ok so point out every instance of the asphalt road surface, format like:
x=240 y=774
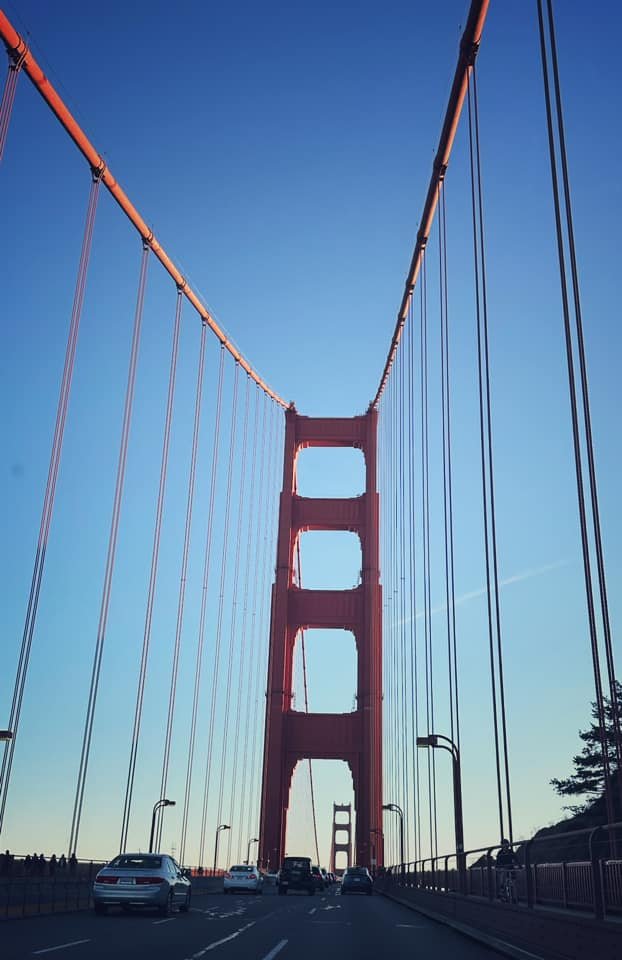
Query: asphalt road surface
x=244 y=927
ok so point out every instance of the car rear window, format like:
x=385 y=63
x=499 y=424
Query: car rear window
x=356 y=871
x=242 y=869
x=296 y=863
x=136 y=862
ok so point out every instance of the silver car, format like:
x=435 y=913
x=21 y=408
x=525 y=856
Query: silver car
x=142 y=880
x=243 y=877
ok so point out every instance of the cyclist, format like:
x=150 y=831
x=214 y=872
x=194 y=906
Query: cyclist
x=506 y=865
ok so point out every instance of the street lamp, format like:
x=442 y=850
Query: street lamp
x=397 y=809
x=248 y=849
x=223 y=826
x=161 y=803
x=432 y=740
x=374 y=856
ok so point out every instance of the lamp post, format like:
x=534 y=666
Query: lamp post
x=161 y=803
x=375 y=832
x=248 y=849
x=223 y=826
x=432 y=740
x=397 y=809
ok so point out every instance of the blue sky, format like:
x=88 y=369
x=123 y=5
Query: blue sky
x=281 y=154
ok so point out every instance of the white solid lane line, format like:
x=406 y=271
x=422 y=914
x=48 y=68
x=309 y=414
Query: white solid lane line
x=168 y=920
x=61 y=946
x=219 y=943
x=275 y=950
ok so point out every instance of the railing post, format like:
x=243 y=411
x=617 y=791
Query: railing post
x=489 y=875
x=447 y=874
x=597 y=878
x=565 y=884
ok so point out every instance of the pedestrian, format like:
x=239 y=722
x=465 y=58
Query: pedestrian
x=73 y=863
x=41 y=864
x=52 y=865
x=62 y=861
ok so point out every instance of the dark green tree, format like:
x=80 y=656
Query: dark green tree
x=587 y=780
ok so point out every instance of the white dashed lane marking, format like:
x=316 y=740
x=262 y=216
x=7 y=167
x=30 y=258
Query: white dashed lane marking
x=61 y=946
x=275 y=950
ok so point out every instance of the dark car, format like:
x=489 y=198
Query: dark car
x=318 y=878
x=357 y=880
x=295 y=874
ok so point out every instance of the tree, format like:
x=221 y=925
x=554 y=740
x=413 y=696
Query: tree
x=588 y=780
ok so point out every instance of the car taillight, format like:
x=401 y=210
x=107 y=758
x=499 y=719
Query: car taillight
x=227 y=876
x=106 y=879
x=149 y=880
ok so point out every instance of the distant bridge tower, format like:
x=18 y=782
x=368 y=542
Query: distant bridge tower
x=291 y=735
x=336 y=847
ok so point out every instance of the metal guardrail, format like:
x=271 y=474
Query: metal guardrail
x=27 y=897
x=593 y=885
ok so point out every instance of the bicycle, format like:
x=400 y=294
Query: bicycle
x=507 y=886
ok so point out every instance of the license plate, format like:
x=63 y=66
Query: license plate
x=130 y=882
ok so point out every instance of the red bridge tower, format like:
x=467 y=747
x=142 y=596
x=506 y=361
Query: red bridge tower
x=291 y=735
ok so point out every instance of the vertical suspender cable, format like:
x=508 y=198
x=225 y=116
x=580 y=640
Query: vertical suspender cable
x=493 y=521
x=50 y=493
x=427 y=590
x=234 y=616
x=403 y=655
x=8 y=97
x=221 y=595
x=204 y=597
x=447 y=477
x=414 y=671
x=476 y=268
x=306 y=696
x=198 y=402
x=573 y=396
x=182 y=585
x=111 y=555
x=587 y=418
x=256 y=620
x=153 y=576
x=244 y=672
x=259 y=625
x=252 y=715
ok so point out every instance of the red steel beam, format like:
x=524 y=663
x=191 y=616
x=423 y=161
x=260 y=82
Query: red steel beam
x=18 y=50
x=469 y=45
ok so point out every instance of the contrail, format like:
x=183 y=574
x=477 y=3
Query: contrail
x=507 y=581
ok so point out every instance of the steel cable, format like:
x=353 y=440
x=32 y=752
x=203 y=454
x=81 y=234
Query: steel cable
x=153 y=576
x=111 y=555
x=245 y=675
x=575 y=419
x=198 y=403
x=447 y=478
x=234 y=619
x=8 y=99
x=207 y=555
x=219 y=621
x=587 y=418
x=49 y=497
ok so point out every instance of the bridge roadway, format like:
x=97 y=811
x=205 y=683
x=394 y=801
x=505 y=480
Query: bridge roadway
x=244 y=926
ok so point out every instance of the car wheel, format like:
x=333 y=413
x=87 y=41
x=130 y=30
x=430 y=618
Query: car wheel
x=166 y=908
x=100 y=908
x=126 y=908
x=185 y=906
x=369 y=893
x=311 y=892
x=282 y=892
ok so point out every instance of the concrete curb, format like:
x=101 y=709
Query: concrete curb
x=501 y=945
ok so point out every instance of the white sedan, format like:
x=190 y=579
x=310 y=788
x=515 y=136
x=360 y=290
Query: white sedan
x=243 y=877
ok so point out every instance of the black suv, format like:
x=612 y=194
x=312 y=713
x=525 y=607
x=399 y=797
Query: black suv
x=295 y=874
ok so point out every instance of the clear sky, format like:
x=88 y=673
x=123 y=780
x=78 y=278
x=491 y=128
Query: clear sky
x=281 y=153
